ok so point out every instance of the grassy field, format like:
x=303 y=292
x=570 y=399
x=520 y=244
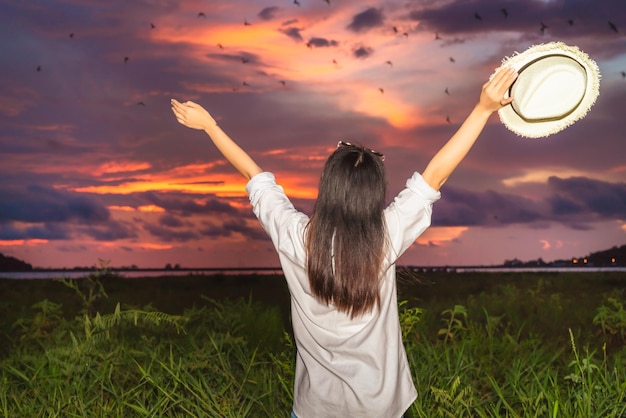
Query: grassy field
x=479 y=344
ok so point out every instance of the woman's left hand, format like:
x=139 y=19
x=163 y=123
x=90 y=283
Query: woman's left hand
x=492 y=94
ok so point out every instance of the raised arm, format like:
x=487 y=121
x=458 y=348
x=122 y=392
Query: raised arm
x=452 y=153
x=195 y=116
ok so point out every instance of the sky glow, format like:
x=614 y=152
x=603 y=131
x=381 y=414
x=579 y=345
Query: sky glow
x=95 y=167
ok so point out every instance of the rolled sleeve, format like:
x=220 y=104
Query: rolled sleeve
x=276 y=214
x=410 y=213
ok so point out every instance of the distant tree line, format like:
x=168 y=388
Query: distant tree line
x=613 y=257
x=8 y=263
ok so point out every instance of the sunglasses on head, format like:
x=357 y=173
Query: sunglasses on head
x=348 y=144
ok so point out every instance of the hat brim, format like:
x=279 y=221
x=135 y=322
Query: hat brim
x=545 y=127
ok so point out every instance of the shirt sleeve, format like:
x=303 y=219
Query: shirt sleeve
x=409 y=215
x=277 y=215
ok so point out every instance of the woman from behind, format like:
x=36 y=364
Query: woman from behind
x=339 y=264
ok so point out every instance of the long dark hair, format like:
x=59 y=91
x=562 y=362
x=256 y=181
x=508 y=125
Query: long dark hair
x=346 y=234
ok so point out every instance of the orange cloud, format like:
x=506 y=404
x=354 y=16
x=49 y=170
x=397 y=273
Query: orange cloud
x=150 y=208
x=153 y=246
x=352 y=83
x=189 y=179
x=371 y=101
x=53 y=128
x=230 y=189
x=442 y=234
x=146 y=208
x=124 y=166
x=194 y=179
x=139 y=245
x=122 y=208
x=22 y=242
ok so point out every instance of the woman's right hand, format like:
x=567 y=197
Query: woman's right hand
x=192 y=115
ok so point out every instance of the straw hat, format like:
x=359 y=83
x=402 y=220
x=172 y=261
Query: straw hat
x=556 y=86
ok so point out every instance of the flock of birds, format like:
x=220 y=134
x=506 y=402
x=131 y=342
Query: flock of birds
x=244 y=60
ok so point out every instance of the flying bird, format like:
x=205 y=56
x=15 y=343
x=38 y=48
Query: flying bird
x=505 y=12
x=452 y=59
x=437 y=37
x=220 y=46
x=245 y=84
x=72 y=35
x=152 y=26
x=405 y=34
x=381 y=90
x=283 y=82
x=39 y=68
x=126 y=60
x=296 y=2
x=570 y=22
x=543 y=28
x=201 y=14
x=327 y=1
x=246 y=23
x=395 y=29
x=389 y=63
x=623 y=74
x=447 y=91
x=335 y=62
x=448 y=119
x=613 y=27
x=477 y=16
x=141 y=104
x=245 y=60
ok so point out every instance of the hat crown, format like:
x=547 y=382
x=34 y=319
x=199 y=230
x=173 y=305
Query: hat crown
x=556 y=85
x=549 y=88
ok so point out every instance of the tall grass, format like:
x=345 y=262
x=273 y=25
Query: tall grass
x=503 y=353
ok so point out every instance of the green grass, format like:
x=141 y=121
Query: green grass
x=479 y=345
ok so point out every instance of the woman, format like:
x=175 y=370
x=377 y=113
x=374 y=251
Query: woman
x=340 y=263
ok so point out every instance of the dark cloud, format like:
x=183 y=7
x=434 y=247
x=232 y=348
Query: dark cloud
x=227 y=229
x=362 y=52
x=171 y=221
x=255 y=232
x=562 y=20
x=293 y=33
x=575 y=202
x=289 y=22
x=268 y=13
x=467 y=208
x=171 y=235
x=364 y=21
x=186 y=206
x=111 y=231
x=47 y=231
x=43 y=204
x=248 y=57
x=589 y=197
x=321 y=43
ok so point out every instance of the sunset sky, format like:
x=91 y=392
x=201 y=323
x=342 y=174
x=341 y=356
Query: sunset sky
x=94 y=166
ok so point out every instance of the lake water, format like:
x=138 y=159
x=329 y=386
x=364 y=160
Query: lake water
x=70 y=274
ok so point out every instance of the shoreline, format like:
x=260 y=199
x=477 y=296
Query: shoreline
x=41 y=274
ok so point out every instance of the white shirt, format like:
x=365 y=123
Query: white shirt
x=345 y=367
